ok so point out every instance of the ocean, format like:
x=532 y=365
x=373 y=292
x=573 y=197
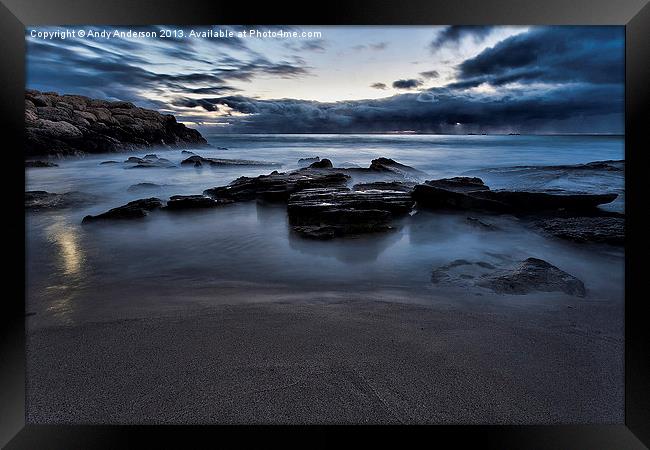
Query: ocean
x=246 y=252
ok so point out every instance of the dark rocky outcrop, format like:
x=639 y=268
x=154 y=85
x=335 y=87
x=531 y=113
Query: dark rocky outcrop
x=307 y=161
x=325 y=213
x=402 y=186
x=73 y=124
x=39 y=163
x=472 y=194
x=132 y=210
x=200 y=161
x=184 y=202
x=276 y=186
x=386 y=169
x=610 y=165
x=149 y=161
x=530 y=275
x=608 y=230
x=542 y=201
x=36 y=200
x=322 y=164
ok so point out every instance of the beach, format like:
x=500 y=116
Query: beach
x=335 y=361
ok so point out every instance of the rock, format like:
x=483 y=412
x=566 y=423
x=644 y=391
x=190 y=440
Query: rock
x=183 y=202
x=187 y=152
x=132 y=210
x=325 y=213
x=609 y=230
x=148 y=161
x=608 y=165
x=322 y=164
x=401 y=186
x=389 y=165
x=471 y=194
x=454 y=193
x=383 y=168
x=74 y=125
x=39 y=163
x=108 y=162
x=533 y=275
x=139 y=187
x=522 y=201
x=530 y=275
x=459 y=184
x=387 y=169
x=308 y=161
x=276 y=186
x=199 y=161
x=45 y=200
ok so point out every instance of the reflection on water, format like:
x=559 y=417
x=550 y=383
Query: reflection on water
x=65 y=237
x=67 y=267
x=246 y=251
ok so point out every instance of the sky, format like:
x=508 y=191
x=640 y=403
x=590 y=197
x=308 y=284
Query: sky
x=346 y=79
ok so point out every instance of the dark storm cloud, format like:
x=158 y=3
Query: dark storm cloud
x=407 y=84
x=438 y=110
x=453 y=34
x=430 y=74
x=381 y=86
x=552 y=55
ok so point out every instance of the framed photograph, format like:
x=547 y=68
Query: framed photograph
x=405 y=214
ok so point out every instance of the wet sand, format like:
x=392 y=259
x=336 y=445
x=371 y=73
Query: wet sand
x=559 y=360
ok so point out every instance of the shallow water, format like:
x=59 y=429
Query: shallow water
x=246 y=252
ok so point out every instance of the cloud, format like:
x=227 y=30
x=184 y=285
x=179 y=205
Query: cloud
x=575 y=108
x=453 y=35
x=377 y=46
x=131 y=70
x=407 y=84
x=559 y=54
x=430 y=74
x=317 y=45
x=548 y=79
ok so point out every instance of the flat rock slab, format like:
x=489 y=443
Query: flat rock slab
x=185 y=202
x=148 y=161
x=401 y=186
x=276 y=186
x=200 y=161
x=132 y=210
x=325 y=213
x=530 y=275
x=472 y=194
x=608 y=230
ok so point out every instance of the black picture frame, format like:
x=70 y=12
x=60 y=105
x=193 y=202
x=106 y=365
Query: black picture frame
x=634 y=14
